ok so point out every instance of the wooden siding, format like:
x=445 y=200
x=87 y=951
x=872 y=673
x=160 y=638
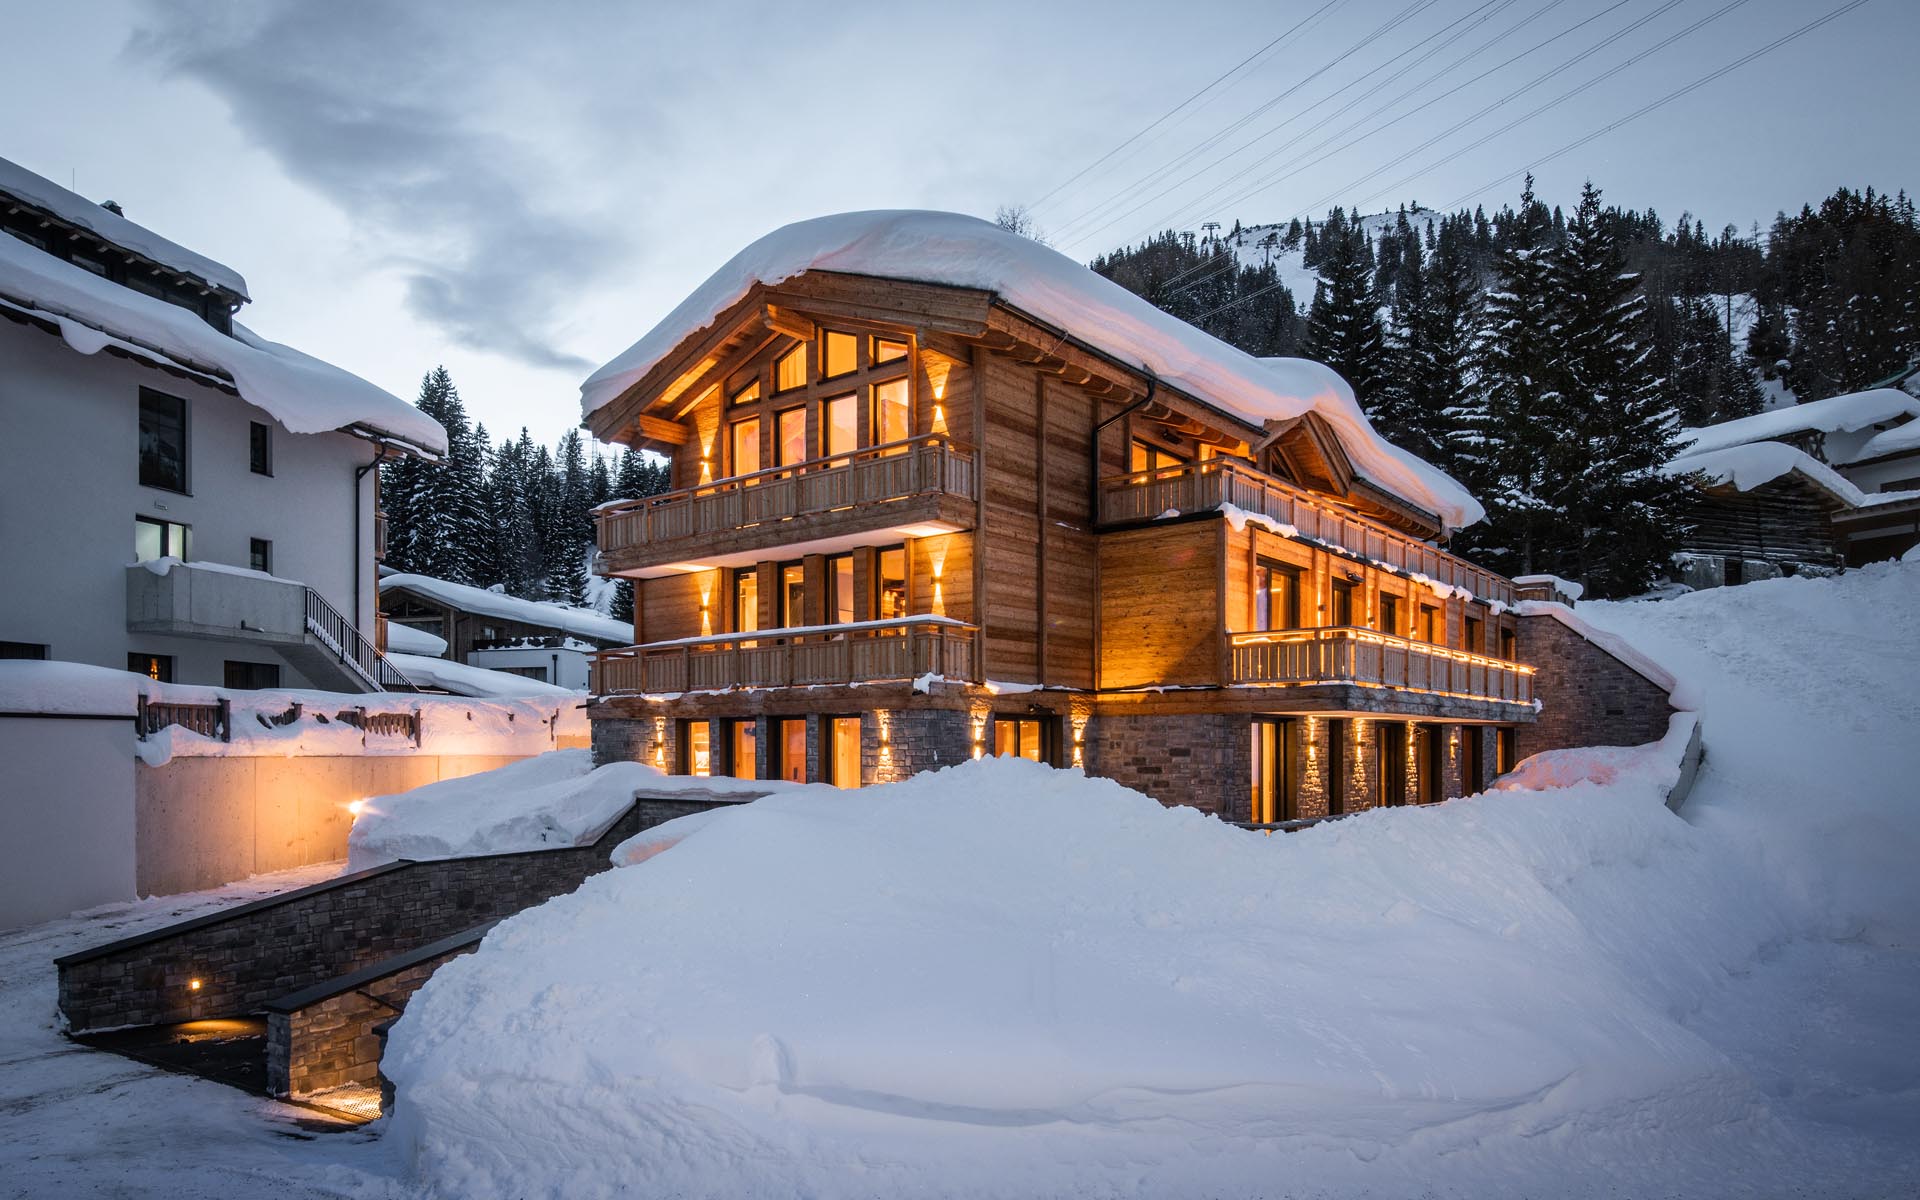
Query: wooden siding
x=1783 y=521
x=1160 y=589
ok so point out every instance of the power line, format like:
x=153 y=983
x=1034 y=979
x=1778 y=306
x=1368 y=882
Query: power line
x=1412 y=8
x=1218 y=80
x=1642 y=111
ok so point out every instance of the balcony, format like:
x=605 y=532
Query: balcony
x=1202 y=487
x=861 y=652
x=1295 y=657
x=918 y=488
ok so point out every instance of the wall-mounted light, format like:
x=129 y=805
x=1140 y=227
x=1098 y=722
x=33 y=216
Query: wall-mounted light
x=193 y=985
x=660 y=743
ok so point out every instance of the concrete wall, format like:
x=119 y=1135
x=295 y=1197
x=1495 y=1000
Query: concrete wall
x=65 y=805
x=69 y=536
x=202 y=822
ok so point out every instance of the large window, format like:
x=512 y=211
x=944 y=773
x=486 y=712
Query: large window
x=1276 y=597
x=839 y=427
x=842 y=750
x=743 y=441
x=790 y=748
x=1473 y=635
x=790 y=371
x=1509 y=649
x=1032 y=738
x=696 y=748
x=793 y=436
x=154 y=538
x=743 y=742
x=1341 y=603
x=840 y=589
x=842 y=355
x=892 y=412
x=793 y=595
x=1432 y=626
x=890 y=585
x=1391 y=740
x=1276 y=745
x=163 y=441
x=746 y=600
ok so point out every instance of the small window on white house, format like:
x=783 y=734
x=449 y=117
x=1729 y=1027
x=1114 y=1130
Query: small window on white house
x=260 y=447
x=154 y=538
x=260 y=555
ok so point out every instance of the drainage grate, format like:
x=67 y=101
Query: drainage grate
x=354 y=1102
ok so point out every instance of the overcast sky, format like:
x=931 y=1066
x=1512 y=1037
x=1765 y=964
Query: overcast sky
x=520 y=191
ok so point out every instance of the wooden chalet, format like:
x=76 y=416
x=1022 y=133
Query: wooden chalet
x=913 y=524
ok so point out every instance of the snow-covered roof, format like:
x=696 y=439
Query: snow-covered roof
x=304 y=394
x=1901 y=439
x=1835 y=414
x=463 y=680
x=578 y=621
x=1612 y=643
x=44 y=193
x=962 y=251
x=405 y=639
x=1747 y=467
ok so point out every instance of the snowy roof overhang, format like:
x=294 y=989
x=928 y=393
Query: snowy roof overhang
x=581 y=622
x=1836 y=414
x=1744 y=468
x=303 y=393
x=22 y=188
x=1014 y=275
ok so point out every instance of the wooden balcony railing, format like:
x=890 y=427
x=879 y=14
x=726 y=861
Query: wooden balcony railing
x=1198 y=487
x=875 y=475
x=1340 y=654
x=860 y=652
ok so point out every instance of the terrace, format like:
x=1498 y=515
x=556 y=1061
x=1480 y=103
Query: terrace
x=858 y=652
x=1340 y=654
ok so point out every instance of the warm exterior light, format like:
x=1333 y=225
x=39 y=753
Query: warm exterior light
x=193 y=985
x=356 y=807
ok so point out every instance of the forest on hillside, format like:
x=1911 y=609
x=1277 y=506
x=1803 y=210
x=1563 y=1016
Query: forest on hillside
x=1547 y=358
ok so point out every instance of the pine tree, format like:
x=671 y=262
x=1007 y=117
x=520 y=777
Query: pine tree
x=441 y=521
x=1431 y=348
x=1707 y=383
x=1343 y=325
x=1617 y=514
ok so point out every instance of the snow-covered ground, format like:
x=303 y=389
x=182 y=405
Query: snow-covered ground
x=1004 y=981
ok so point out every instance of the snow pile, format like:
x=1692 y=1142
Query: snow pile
x=44 y=193
x=464 y=680
x=961 y=251
x=582 y=622
x=405 y=639
x=1657 y=763
x=1001 y=979
x=1836 y=414
x=304 y=394
x=552 y=799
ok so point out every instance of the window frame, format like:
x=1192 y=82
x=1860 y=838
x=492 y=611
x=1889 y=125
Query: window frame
x=166 y=532
x=260 y=555
x=260 y=448
x=160 y=669
x=783 y=595
x=147 y=395
x=1263 y=594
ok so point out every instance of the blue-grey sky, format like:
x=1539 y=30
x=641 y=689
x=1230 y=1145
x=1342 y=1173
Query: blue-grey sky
x=520 y=191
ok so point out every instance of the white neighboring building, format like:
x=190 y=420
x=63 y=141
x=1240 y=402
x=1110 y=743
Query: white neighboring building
x=145 y=426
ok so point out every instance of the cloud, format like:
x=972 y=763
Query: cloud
x=398 y=114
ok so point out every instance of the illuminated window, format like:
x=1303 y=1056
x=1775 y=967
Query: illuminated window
x=153 y=538
x=885 y=351
x=791 y=743
x=1275 y=791
x=1341 y=604
x=1430 y=624
x=791 y=370
x=1145 y=456
x=793 y=436
x=840 y=589
x=747 y=394
x=743 y=439
x=843 y=750
x=1028 y=738
x=746 y=600
x=696 y=748
x=839 y=427
x=842 y=358
x=793 y=595
x=891 y=585
x=157 y=667
x=1276 y=597
x=1503 y=749
x=893 y=413
x=743 y=741
x=1390 y=615
x=163 y=441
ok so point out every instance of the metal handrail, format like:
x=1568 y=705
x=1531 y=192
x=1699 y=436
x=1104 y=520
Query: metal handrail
x=352 y=648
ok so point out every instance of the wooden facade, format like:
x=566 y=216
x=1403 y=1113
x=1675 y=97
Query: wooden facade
x=902 y=497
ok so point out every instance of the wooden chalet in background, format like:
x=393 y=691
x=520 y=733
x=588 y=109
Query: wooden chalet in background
x=912 y=524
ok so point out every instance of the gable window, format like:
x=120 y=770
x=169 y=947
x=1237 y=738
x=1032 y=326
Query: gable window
x=885 y=351
x=892 y=413
x=839 y=427
x=743 y=442
x=154 y=538
x=790 y=371
x=842 y=355
x=746 y=395
x=1145 y=456
x=163 y=441
x=793 y=436
x=260 y=555
x=1276 y=597
x=157 y=667
x=260 y=447
x=746 y=599
x=891 y=585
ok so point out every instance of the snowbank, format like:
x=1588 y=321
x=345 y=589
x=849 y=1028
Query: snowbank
x=1836 y=414
x=304 y=394
x=1003 y=980
x=1656 y=765
x=44 y=193
x=581 y=622
x=265 y=723
x=961 y=251
x=553 y=799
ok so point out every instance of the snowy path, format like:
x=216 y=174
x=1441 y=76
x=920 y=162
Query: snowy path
x=78 y=1123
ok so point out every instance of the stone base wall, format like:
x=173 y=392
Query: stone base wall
x=1587 y=696
x=897 y=743
x=331 y=1043
x=1204 y=760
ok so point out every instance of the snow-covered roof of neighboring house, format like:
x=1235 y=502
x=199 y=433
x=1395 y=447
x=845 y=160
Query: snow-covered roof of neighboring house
x=304 y=394
x=405 y=639
x=962 y=251
x=1747 y=467
x=44 y=193
x=1836 y=414
x=581 y=622
x=463 y=680
x=1901 y=439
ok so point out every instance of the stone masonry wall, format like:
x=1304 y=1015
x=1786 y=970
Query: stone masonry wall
x=331 y=1043
x=258 y=952
x=1587 y=696
x=1203 y=760
x=897 y=743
